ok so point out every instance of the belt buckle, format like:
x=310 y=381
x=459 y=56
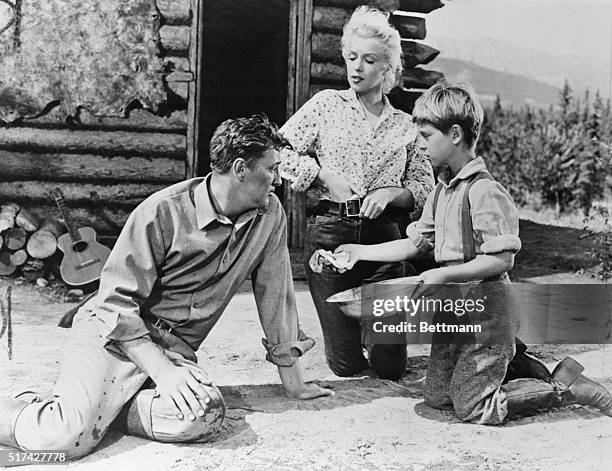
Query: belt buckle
x=353 y=208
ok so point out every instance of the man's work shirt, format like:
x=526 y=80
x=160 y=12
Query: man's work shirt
x=177 y=260
x=494 y=216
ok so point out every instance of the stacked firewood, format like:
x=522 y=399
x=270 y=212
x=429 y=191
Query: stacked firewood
x=28 y=245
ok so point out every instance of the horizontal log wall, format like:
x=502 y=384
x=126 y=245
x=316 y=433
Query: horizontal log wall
x=328 y=73
x=175 y=13
x=104 y=166
x=153 y=144
x=175 y=40
x=72 y=167
x=104 y=174
x=332 y=19
x=125 y=195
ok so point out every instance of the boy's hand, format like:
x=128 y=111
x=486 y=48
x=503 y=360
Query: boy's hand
x=324 y=258
x=430 y=281
x=353 y=251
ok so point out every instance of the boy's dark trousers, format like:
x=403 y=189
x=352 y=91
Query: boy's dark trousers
x=466 y=370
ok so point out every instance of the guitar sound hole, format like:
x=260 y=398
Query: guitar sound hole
x=79 y=246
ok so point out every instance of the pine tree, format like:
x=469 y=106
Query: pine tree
x=586 y=110
x=591 y=173
x=565 y=101
x=497 y=106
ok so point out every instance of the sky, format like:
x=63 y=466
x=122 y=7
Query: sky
x=559 y=27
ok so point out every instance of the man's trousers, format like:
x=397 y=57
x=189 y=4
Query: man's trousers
x=93 y=387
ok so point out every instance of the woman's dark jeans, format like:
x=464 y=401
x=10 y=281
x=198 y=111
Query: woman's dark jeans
x=344 y=336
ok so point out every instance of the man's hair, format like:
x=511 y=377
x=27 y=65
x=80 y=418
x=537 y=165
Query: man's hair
x=245 y=138
x=448 y=103
x=368 y=22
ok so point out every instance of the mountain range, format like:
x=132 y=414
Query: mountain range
x=518 y=74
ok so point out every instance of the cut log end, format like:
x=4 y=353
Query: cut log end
x=42 y=244
x=19 y=257
x=27 y=221
x=15 y=238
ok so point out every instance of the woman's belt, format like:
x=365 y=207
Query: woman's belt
x=348 y=209
x=351 y=208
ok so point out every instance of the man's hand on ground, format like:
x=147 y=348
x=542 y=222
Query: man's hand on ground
x=310 y=391
x=291 y=377
x=183 y=388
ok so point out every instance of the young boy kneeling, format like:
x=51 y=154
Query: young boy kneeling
x=469 y=377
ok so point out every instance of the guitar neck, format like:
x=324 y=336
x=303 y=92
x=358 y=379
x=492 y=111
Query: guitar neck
x=68 y=221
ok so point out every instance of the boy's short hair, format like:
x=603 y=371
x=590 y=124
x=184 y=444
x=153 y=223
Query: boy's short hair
x=448 y=103
x=246 y=138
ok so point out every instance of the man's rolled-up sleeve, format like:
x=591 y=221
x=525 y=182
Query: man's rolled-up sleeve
x=129 y=275
x=275 y=297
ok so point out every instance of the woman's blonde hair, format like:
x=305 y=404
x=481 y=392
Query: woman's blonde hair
x=368 y=22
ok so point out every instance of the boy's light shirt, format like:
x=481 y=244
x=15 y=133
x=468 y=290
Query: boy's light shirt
x=494 y=218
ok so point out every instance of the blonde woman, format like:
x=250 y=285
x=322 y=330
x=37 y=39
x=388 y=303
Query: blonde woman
x=365 y=152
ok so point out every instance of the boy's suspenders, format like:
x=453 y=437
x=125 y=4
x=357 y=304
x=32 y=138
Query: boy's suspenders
x=467 y=228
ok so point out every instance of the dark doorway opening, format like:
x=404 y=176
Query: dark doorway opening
x=244 y=64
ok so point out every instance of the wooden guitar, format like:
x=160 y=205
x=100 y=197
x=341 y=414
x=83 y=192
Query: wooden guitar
x=84 y=257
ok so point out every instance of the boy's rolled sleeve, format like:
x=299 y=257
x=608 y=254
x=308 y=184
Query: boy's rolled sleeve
x=422 y=232
x=495 y=218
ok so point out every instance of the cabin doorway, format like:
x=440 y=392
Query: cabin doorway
x=244 y=64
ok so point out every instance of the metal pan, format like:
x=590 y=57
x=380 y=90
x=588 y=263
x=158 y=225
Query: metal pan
x=357 y=302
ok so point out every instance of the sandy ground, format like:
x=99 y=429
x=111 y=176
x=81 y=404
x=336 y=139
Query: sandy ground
x=368 y=424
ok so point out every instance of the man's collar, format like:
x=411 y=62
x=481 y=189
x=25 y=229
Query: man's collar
x=473 y=167
x=206 y=212
x=204 y=208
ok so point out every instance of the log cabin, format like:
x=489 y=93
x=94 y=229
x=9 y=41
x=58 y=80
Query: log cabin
x=205 y=61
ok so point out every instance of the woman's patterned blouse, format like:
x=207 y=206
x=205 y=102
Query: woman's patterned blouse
x=334 y=126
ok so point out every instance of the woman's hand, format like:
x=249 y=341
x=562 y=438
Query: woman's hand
x=377 y=200
x=339 y=188
x=353 y=251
